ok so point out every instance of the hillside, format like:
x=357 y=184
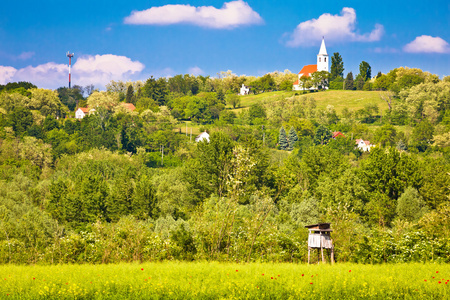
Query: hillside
x=340 y=99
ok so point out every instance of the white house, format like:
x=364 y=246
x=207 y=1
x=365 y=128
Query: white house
x=244 y=90
x=81 y=112
x=322 y=65
x=364 y=145
x=202 y=136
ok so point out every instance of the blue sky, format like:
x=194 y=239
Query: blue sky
x=132 y=40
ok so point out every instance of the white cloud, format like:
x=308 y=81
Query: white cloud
x=97 y=70
x=231 y=15
x=385 y=50
x=334 y=27
x=26 y=55
x=101 y=69
x=427 y=44
x=195 y=71
x=6 y=73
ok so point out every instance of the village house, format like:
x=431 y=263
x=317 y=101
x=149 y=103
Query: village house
x=202 y=136
x=244 y=90
x=81 y=112
x=306 y=71
x=364 y=145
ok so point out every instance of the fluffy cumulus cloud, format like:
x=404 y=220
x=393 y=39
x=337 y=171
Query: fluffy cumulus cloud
x=231 y=15
x=97 y=70
x=427 y=44
x=195 y=71
x=334 y=27
x=6 y=74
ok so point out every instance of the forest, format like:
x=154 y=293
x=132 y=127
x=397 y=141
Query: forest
x=121 y=185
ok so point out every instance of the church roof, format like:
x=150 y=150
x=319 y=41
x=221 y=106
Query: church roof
x=323 y=49
x=308 y=69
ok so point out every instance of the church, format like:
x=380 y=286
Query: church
x=322 y=65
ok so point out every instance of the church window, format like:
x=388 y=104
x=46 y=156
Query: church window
x=319 y=59
x=325 y=59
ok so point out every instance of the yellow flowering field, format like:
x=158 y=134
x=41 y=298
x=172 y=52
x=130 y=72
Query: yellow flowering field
x=203 y=280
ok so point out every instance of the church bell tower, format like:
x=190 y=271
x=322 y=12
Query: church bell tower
x=322 y=58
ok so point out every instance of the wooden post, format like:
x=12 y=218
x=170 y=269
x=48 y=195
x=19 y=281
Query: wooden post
x=321 y=248
x=332 y=252
x=309 y=255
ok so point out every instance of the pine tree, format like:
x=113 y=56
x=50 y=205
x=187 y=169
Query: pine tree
x=282 y=139
x=130 y=95
x=293 y=138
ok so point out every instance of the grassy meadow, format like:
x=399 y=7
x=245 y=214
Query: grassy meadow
x=202 y=280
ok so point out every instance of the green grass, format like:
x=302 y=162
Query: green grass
x=353 y=100
x=201 y=280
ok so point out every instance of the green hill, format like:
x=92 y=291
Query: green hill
x=353 y=100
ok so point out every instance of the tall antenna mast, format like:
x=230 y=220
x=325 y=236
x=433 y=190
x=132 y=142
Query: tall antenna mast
x=69 y=55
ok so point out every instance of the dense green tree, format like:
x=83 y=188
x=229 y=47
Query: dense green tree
x=365 y=71
x=283 y=142
x=410 y=205
x=21 y=119
x=422 y=136
x=348 y=82
x=322 y=135
x=130 y=98
x=292 y=138
x=337 y=66
x=386 y=135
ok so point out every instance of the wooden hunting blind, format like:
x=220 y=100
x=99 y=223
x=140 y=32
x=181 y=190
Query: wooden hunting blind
x=319 y=238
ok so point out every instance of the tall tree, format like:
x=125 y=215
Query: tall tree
x=337 y=66
x=348 y=82
x=365 y=71
x=130 y=95
x=282 y=139
x=293 y=138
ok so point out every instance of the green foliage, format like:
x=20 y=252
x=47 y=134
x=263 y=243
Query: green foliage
x=337 y=66
x=292 y=138
x=322 y=135
x=348 y=82
x=410 y=205
x=283 y=142
x=365 y=71
x=336 y=85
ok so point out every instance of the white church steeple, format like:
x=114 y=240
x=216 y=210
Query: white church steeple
x=322 y=58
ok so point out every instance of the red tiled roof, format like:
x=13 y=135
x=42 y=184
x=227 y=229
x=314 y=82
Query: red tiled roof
x=84 y=109
x=307 y=70
x=338 y=133
x=130 y=106
x=296 y=83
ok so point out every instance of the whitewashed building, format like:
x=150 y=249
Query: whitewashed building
x=202 y=136
x=364 y=145
x=244 y=90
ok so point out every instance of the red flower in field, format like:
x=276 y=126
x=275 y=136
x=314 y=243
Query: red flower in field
x=271 y=277
x=433 y=277
x=67 y=283
x=424 y=280
x=312 y=275
x=439 y=282
x=303 y=275
x=349 y=270
x=437 y=271
x=237 y=270
x=446 y=282
x=262 y=274
x=33 y=278
x=310 y=283
x=278 y=275
x=142 y=269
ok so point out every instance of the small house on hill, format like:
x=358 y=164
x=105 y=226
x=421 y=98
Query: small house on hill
x=81 y=112
x=364 y=145
x=202 y=136
x=244 y=90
